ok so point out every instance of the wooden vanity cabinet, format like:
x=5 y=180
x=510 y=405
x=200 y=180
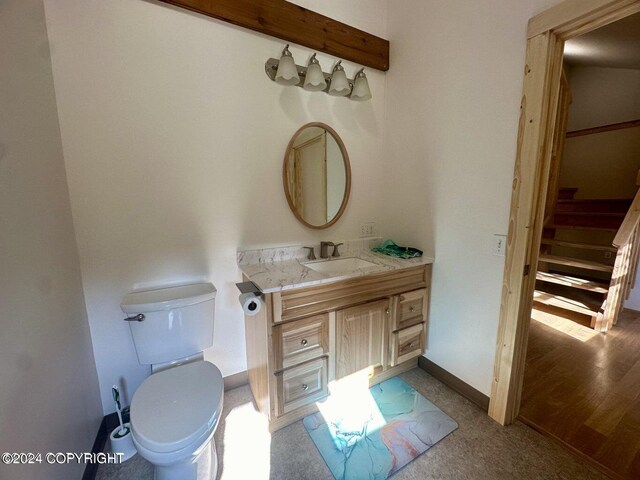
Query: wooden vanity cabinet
x=306 y=338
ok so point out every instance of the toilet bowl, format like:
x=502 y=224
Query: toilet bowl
x=175 y=412
x=174 y=415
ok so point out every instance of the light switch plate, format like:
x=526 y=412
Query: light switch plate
x=499 y=245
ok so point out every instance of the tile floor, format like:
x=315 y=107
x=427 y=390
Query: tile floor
x=479 y=449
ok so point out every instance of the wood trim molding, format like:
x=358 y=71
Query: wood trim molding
x=454 y=383
x=604 y=128
x=296 y=24
x=576 y=17
x=531 y=172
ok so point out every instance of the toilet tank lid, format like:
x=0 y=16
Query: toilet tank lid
x=168 y=298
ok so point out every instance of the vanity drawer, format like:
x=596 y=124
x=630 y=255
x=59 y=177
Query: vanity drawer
x=302 y=340
x=302 y=385
x=411 y=309
x=407 y=343
x=302 y=302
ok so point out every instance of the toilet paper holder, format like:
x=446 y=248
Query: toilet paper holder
x=251 y=298
x=249 y=287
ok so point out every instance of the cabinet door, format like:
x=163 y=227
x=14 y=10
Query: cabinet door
x=360 y=337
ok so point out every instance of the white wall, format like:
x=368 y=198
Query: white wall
x=49 y=398
x=453 y=97
x=604 y=165
x=174 y=140
x=602 y=96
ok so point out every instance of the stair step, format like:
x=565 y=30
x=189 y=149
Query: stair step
x=595 y=205
x=587 y=219
x=585 y=308
x=573 y=282
x=593 y=214
x=586 y=246
x=583 y=227
x=575 y=262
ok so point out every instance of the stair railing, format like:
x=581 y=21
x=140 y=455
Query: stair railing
x=627 y=241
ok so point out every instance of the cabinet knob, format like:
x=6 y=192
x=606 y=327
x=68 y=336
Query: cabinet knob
x=411 y=308
x=304 y=342
x=387 y=311
x=305 y=387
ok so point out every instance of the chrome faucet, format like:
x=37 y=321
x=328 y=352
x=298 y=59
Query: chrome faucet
x=324 y=249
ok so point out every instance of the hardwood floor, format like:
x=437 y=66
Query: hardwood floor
x=583 y=388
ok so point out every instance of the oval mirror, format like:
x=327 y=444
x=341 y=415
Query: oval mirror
x=317 y=175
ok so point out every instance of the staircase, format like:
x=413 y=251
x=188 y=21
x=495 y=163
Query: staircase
x=579 y=263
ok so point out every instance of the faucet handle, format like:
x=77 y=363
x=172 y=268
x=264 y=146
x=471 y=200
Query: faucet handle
x=312 y=254
x=336 y=253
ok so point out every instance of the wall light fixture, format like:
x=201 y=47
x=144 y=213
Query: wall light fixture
x=285 y=72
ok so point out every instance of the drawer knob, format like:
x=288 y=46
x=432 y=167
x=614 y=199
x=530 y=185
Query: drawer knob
x=411 y=345
x=305 y=387
x=304 y=342
x=387 y=311
x=411 y=308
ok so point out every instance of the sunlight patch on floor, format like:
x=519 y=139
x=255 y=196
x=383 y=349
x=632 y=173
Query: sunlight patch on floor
x=568 y=327
x=247 y=445
x=351 y=406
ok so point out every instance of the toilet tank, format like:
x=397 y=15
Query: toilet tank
x=178 y=321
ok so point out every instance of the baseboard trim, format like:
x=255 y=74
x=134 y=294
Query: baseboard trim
x=91 y=470
x=236 y=380
x=454 y=383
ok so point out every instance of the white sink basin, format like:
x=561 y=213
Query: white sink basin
x=339 y=266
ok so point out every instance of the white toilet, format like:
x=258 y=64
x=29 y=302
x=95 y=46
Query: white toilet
x=175 y=412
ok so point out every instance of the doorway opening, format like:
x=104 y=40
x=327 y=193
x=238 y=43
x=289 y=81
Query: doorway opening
x=580 y=386
x=547 y=33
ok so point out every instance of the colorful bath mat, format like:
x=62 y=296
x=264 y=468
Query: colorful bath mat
x=374 y=434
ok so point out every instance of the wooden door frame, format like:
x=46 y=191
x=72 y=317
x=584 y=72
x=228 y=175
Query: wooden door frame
x=546 y=34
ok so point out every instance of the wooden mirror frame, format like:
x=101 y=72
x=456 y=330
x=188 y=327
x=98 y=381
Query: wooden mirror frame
x=347 y=183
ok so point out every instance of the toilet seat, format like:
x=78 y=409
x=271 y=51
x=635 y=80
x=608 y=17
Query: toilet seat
x=177 y=407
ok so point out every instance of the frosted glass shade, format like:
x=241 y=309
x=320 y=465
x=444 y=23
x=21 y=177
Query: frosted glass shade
x=314 y=81
x=339 y=86
x=287 y=73
x=361 y=91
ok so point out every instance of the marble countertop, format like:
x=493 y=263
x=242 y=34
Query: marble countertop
x=278 y=275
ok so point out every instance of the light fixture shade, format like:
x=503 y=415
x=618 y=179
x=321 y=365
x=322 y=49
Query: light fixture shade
x=287 y=73
x=314 y=80
x=339 y=85
x=361 y=91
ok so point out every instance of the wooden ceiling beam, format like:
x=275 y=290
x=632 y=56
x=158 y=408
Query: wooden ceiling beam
x=296 y=24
